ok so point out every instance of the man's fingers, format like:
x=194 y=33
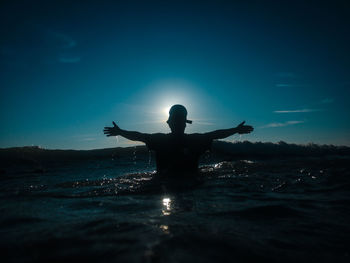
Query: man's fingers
x=111 y=131
x=242 y=123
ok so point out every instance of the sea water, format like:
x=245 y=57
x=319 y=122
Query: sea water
x=117 y=210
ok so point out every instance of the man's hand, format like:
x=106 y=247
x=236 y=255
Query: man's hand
x=112 y=131
x=242 y=129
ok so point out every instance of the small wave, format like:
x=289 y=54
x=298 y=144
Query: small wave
x=15 y=221
x=263 y=212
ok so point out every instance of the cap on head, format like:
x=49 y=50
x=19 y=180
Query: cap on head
x=178 y=113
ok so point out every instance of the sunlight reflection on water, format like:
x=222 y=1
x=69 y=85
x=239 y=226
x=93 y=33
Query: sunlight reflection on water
x=166 y=206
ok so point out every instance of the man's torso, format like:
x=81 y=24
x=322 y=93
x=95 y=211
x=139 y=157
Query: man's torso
x=178 y=153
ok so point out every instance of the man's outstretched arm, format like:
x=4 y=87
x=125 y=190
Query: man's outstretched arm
x=221 y=134
x=131 y=135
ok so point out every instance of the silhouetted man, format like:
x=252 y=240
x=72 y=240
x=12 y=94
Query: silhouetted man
x=177 y=152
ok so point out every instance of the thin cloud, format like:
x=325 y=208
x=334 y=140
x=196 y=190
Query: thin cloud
x=327 y=101
x=88 y=139
x=64 y=46
x=287 y=85
x=281 y=124
x=85 y=137
x=297 y=111
x=66 y=41
x=202 y=121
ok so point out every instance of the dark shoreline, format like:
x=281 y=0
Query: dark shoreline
x=34 y=158
x=237 y=149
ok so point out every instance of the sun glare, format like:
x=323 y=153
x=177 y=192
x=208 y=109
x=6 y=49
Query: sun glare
x=166 y=110
x=171 y=92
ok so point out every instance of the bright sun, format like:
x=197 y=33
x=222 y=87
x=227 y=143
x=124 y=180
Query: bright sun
x=166 y=110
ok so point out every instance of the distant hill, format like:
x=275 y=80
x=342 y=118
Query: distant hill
x=244 y=149
x=280 y=149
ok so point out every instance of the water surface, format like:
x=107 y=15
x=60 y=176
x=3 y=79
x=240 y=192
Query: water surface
x=116 y=210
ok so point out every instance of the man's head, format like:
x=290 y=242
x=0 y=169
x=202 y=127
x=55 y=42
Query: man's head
x=177 y=119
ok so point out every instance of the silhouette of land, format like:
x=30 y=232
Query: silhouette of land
x=221 y=150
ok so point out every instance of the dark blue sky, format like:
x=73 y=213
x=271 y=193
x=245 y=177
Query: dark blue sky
x=69 y=69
